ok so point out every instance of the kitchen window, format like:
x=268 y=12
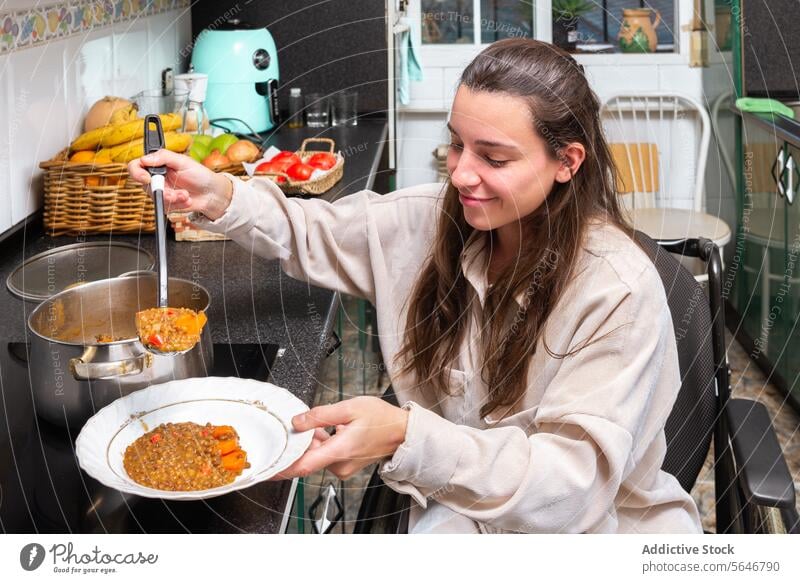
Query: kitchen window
x=601 y=25
x=479 y=22
x=447 y=22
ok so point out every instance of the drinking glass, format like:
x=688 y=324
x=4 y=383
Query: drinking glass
x=154 y=101
x=344 y=108
x=316 y=110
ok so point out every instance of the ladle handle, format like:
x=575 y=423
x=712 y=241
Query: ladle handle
x=154 y=141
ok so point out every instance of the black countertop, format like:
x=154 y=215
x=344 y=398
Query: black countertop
x=254 y=304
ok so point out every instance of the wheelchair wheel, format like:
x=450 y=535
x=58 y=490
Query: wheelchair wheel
x=766 y=520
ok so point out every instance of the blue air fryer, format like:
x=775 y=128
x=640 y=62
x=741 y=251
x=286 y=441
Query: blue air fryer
x=241 y=62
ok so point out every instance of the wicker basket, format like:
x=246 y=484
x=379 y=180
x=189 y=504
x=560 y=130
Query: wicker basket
x=308 y=187
x=87 y=198
x=185 y=231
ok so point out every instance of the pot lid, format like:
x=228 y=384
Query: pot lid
x=55 y=270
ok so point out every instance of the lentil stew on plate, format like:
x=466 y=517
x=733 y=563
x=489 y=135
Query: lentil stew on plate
x=186 y=456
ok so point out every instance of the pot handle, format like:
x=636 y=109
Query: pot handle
x=83 y=369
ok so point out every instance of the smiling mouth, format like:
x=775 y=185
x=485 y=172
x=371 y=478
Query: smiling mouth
x=472 y=200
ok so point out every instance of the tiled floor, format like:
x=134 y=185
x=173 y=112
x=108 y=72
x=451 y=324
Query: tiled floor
x=360 y=375
x=747 y=381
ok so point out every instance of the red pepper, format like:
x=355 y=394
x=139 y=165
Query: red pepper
x=155 y=340
x=155 y=438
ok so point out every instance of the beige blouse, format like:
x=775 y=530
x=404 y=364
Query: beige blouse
x=582 y=452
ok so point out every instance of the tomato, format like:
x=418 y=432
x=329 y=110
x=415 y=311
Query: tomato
x=322 y=160
x=270 y=167
x=300 y=172
x=155 y=340
x=155 y=438
x=286 y=158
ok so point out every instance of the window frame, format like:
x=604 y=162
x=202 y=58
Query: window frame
x=542 y=26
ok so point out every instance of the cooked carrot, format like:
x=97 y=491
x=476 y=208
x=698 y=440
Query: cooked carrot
x=234 y=461
x=221 y=431
x=226 y=446
x=191 y=323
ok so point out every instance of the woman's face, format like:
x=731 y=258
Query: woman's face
x=497 y=162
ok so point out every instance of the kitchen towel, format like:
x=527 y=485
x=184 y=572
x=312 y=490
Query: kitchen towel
x=763 y=105
x=410 y=69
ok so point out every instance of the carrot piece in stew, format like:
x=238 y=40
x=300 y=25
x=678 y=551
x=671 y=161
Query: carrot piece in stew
x=226 y=446
x=234 y=461
x=222 y=431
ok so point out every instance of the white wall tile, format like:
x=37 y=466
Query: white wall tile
x=89 y=70
x=451 y=78
x=183 y=27
x=37 y=123
x=430 y=91
x=608 y=80
x=131 y=58
x=419 y=135
x=682 y=79
x=5 y=147
x=46 y=90
x=162 y=45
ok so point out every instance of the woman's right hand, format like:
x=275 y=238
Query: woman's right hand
x=190 y=186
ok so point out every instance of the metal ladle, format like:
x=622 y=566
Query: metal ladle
x=154 y=141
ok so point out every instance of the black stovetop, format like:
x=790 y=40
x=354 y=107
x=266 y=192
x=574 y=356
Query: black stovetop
x=42 y=489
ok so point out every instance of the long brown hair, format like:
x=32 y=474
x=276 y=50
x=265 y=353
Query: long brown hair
x=565 y=110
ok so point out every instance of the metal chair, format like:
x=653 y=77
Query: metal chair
x=660 y=143
x=754 y=492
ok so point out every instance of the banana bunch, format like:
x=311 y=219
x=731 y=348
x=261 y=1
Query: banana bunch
x=124 y=114
x=127 y=151
x=115 y=134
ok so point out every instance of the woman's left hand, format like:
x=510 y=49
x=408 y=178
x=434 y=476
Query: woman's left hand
x=368 y=430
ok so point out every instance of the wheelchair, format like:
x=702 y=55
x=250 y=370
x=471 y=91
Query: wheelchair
x=754 y=491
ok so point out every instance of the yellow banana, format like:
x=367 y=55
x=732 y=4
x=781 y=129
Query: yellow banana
x=88 y=140
x=128 y=113
x=124 y=153
x=112 y=135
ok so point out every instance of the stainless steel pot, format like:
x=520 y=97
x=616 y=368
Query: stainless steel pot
x=74 y=375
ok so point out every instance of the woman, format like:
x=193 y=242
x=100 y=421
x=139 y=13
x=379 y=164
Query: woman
x=526 y=335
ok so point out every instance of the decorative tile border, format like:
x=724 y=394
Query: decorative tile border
x=33 y=26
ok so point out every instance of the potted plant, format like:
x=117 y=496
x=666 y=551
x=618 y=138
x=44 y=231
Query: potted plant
x=566 y=14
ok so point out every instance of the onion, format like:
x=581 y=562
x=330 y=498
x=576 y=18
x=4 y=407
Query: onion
x=215 y=160
x=242 y=151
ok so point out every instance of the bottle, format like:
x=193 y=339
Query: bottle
x=195 y=120
x=295 y=108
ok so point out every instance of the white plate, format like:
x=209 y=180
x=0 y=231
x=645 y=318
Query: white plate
x=260 y=412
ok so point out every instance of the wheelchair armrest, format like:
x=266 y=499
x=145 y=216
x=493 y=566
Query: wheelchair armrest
x=763 y=475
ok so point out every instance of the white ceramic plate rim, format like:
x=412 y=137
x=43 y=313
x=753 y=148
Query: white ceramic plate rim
x=93 y=453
